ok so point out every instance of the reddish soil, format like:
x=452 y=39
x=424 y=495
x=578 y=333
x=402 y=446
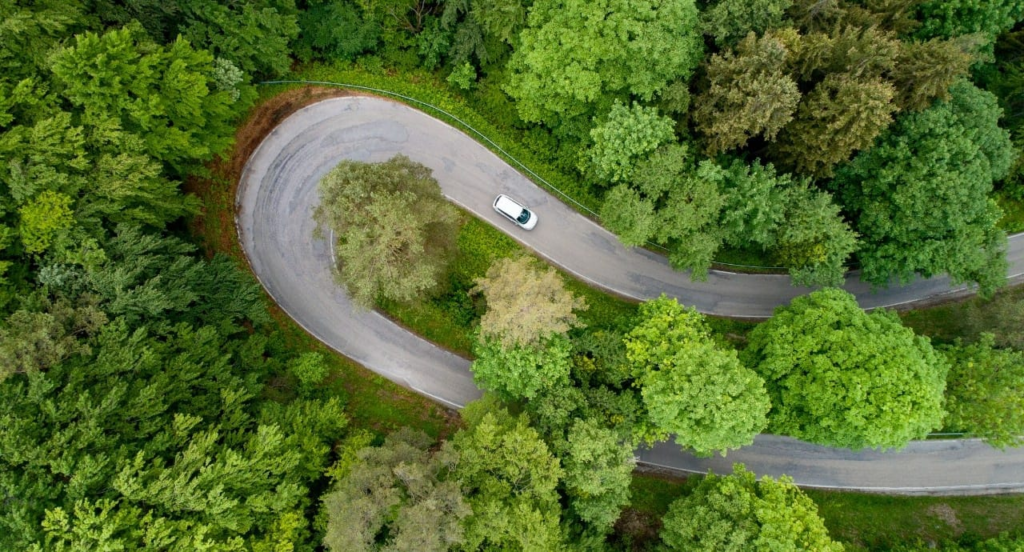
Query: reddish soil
x=218 y=192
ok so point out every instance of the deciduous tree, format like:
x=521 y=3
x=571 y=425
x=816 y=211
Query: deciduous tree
x=625 y=137
x=525 y=306
x=576 y=56
x=399 y=490
x=510 y=477
x=840 y=377
x=690 y=386
x=521 y=372
x=985 y=391
x=161 y=94
x=920 y=196
x=385 y=244
x=598 y=470
x=737 y=513
x=815 y=241
x=42 y=218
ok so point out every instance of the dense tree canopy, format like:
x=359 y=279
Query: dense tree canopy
x=136 y=426
x=696 y=210
x=750 y=93
x=729 y=21
x=961 y=17
x=511 y=479
x=921 y=196
x=146 y=402
x=737 y=513
x=576 y=56
x=163 y=95
x=841 y=377
x=399 y=490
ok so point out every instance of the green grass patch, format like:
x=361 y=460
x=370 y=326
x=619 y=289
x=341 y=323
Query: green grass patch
x=869 y=521
x=450 y=316
x=372 y=402
x=968 y=318
x=879 y=522
x=653 y=494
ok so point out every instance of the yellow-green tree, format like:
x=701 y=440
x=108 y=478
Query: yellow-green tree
x=841 y=377
x=738 y=513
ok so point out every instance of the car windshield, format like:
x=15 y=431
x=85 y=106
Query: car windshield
x=523 y=217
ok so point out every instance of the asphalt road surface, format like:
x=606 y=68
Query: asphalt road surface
x=278 y=193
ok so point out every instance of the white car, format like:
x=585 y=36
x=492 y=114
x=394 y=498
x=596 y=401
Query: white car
x=514 y=211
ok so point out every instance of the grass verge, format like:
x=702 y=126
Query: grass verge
x=968 y=318
x=868 y=522
x=450 y=317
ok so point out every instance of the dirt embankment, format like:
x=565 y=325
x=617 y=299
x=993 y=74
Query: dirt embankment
x=215 y=223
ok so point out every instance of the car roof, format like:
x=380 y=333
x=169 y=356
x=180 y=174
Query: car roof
x=508 y=205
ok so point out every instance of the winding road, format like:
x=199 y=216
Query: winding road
x=278 y=192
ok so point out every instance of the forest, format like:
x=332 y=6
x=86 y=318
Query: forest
x=153 y=398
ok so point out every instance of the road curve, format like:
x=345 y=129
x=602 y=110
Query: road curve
x=278 y=192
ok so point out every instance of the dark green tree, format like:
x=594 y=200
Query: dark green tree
x=920 y=196
x=949 y=18
x=814 y=240
x=749 y=92
x=843 y=114
x=30 y=31
x=254 y=35
x=840 y=377
x=924 y=71
x=729 y=21
x=399 y=490
x=333 y=30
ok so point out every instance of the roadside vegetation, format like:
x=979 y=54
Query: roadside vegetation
x=154 y=399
